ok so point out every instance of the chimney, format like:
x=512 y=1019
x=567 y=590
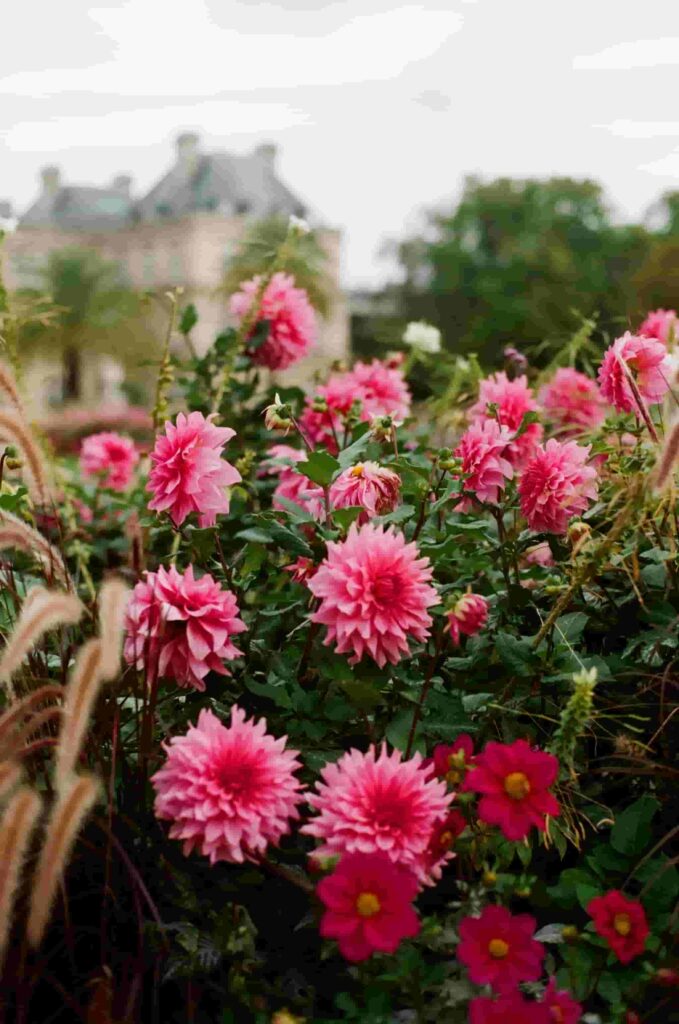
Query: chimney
x=122 y=183
x=267 y=152
x=187 y=151
x=51 y=180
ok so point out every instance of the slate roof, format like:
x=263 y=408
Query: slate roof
x=80 y=208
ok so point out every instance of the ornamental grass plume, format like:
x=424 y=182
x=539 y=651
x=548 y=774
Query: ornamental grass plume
x=229 y=791
x=45 y=610
x=499 y=950
x=14 y=430
x=512 y=399
x=557 y=484
x=180 y=628
x=621 y=922
x=110 y=457
x=642 y=359
x=189 y=473
x=514 y=781
x=377 y=803
x=374 y=593
x=485 y=465
x=75 y=799
x=9 y=387
x=572 y=401
x=288 y=313
x=368 y=901
x=10 y=775
x=113 y=599
x=575 y=717
x=372 y=487
x=17 y=826
x=81 y=694
x=14 y=533
x=663 y=472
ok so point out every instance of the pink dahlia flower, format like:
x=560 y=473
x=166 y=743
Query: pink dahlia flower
x=374 y=593
x=450 y=761
x=660 y=324
x=228 y=791
x=381 y=389
x=621 y=922
x=289 y=314
x=556 y=485
x=301 y=570
x=110 y=457
x=377 y=804
x=440 y=847
x=513 y=780
x=509 y=1008
x=647 y=361
x=180 y=628
x=483 y=449
x=189 y=473
x=560 y=1006
x=499 y=950
x=468 y=617
x=374 y=488
x=322 y=422
x=539 y=554
x=368 y=902
x=513 y=399
x=572 y=400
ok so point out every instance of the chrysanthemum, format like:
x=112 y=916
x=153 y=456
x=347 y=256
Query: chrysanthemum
x=499 y=950
x=370 y=803
x=483 y=450
x=189 y=473
x=372 y=487
x=621 y=922
x=560 y=1006
x=509 y=1008
x=110 y=457
x=646 y=359
x=368 y=902
x=556 y=485
x=374 y=593
x=228 y=791
x=468 y=616
x=513 y=780
x=180 y=628
x=289 y=314
x=513 y=399
x=660 y=324
x=572 y=400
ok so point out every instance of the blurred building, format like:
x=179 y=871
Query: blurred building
x=182 y=232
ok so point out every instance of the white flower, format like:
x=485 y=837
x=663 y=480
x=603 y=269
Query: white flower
x=298 y=226
x=423 y=337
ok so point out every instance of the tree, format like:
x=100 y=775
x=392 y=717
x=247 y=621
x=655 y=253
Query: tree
x=521 y=262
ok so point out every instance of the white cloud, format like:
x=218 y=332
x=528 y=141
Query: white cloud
x=642 y=53
x=138 y=127
x=666 y=167
x=641 y=129
x=157 y=54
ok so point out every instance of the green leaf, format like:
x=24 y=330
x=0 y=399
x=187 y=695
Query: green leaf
x=609 y=989
x=289 y=541
x=255 y=535
x=399 y=728
x=320 y=467
x=516 y=654
x=631 y=832
x=347 y=457
x=344 y=517
x=654 y=576
x=362 y=693
x=188 y=319
x=570 y=627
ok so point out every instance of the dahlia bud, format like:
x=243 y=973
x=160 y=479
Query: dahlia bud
x=285 y=1017
x=468 y=616
x=278 y=416
x=13 y=463
x=489 y=879
x=578 y=535
x=302 y=569
x=383 y=428
x=523 y=892
x=516 y=361
x=319 y=404
x=394 y=360
x=569 y=933
x=422 y=337
x=668 y=977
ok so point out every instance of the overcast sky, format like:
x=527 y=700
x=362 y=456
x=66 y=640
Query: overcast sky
x=380 y=107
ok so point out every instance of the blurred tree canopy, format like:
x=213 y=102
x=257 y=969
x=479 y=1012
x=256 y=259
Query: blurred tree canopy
x=522 y=262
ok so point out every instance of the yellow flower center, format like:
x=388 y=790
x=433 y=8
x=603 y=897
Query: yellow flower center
x=367 y=904
x=622 y=924
x=357 y=470
x=517 y=786
x=498 y=948
x=456 y=768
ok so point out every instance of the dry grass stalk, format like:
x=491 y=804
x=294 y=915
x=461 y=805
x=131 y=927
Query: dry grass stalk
x=26 y=706
x=8 y=385
x=113 y=598
x=16 y=829
x=664 y=468
x=81 y=694
x=75 y=800
x=13 y=430
x=14 y=533
x=10 y=775
x=49 y=609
